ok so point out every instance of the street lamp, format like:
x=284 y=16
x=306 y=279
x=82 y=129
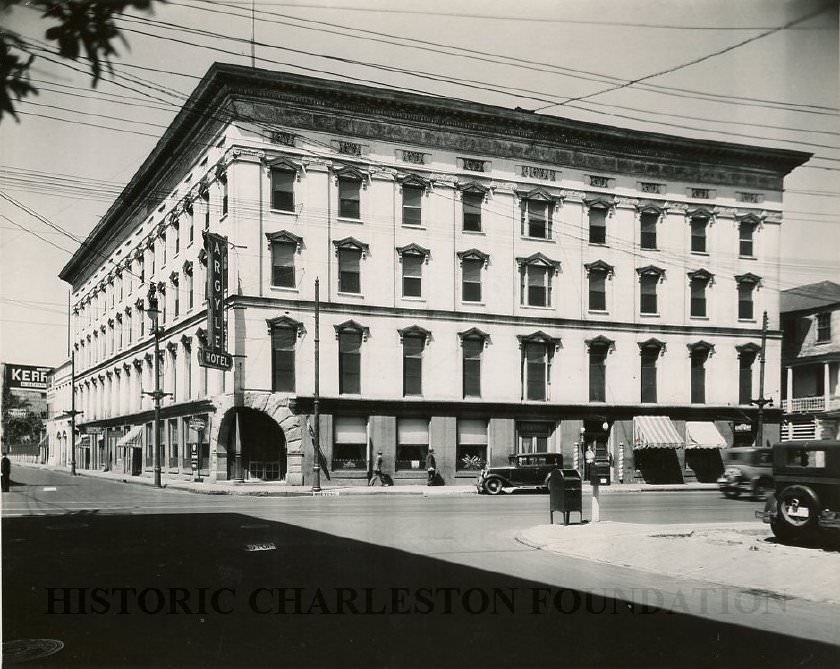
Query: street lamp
x=157 y=395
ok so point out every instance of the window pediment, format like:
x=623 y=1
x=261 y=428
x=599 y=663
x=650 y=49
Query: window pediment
x=415 y=331
x=186 y=341
x=352 y=173
x=700 y=213
x=139 y=304
x=749 y=217
x=474 y=333
x=161 y=287
x=652 y=344
x=287 y=323
x=352 y=326
x=701 y=346
x=351 y=244
x=749 y=278
x=540 y=337
x=651 y=270
x=600 y=342
x=650 y=208
x=414 y=180
x=286 y=164
x=172 y=347
x=748 y=349
x=284 y=237
x=138 y=364
x=201 y=335
x=539 y=259
x=600 y=203
x=474 y=254
x=539 y=194
x=701 y=275
x=414 y=250
x=473 y=187
x=599 y=266
x=188 y=267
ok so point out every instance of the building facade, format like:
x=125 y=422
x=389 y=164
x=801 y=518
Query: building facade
x=490 y=282
x=811 y=361
x=59 y=405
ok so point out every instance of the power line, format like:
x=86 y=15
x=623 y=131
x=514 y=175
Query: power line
x=35 y=234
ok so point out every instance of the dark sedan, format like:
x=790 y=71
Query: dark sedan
x=526 y=471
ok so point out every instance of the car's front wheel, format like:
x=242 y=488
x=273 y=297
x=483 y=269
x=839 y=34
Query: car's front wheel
x=798 y=511
x=493 y=485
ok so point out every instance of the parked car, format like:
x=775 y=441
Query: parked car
x=525 y=471
x=806 y=500
x=749 y=471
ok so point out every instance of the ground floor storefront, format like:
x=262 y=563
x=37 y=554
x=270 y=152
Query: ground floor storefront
x=268 y=437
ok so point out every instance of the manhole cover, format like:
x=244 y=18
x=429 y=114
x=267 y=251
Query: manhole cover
x=24 y=650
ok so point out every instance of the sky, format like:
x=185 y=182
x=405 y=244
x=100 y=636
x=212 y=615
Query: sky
x=749 y=72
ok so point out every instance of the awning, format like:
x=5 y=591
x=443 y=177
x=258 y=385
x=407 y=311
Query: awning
x=134 y=437
x=703 y=434
x=655 y=432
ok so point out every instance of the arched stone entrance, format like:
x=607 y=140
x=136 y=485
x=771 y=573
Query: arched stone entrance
x=269 y=435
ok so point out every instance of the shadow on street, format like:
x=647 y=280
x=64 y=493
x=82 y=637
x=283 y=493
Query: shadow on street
x=350 y=609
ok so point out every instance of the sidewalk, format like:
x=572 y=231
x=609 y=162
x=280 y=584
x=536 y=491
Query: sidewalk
x=331 y=489
x=739 y=555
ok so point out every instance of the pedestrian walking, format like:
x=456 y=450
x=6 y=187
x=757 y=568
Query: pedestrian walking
x=6 y=470
x=377 y=471
x=589 y=459
x=431 y=466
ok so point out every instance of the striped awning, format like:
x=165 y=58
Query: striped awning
x=703 y=434
x=133 y=437
x=655 y=432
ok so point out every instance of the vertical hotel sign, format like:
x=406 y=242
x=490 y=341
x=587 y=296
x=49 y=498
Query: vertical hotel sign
x=215 y=354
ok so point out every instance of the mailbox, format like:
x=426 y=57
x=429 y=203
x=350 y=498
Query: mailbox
x=565 y=493
x=600 y=472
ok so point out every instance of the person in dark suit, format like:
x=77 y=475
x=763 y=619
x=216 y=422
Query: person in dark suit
x=377 y=471
x=431 y=466
x=6 y=470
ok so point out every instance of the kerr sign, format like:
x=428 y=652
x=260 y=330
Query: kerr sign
x=215 y=355
x=26 y=377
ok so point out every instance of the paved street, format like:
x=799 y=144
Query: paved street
x=308 y=581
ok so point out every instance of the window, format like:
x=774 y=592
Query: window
x=746 y=234
x=142 y=279
x=471 y=279
x=698 y=234
x=536 y=369
x=174 y=443
x=190 y=225
x=412 y=274
x=647 y=296
x=187 y=370
x=533 y=437
x=205 y=196
x=699 y=356
x=698 y=284
x=597 y=290
x=348 y=197
x=412 y=205
x=597 y=224
x=745 y=300
x=745 y=373
x=471 y=374
x=283 y=190
x=283 y=264
x=128 y=326
x=472 y=211
x=536 y=218
x=176 y=296
x=598 y=372
x=349 y=279
x=649 y=357
x=283 y=359
x=471 y=451
x=224 y=183
x=412 y=444
x=535 y=285
x=188 y=286
x=648 y=221
x=176 y=234
x=413 y=364
x=350 y=443
x=824 y=327
x=349 y=363
x=163 y=249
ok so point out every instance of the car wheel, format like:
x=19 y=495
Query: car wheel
x=761 y=490
x=798 y=509
x=493 y=486
x=732 y=493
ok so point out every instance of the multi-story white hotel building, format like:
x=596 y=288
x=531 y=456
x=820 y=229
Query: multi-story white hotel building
x=491 y=281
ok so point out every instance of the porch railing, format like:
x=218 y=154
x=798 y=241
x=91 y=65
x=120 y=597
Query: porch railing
x=804 y=404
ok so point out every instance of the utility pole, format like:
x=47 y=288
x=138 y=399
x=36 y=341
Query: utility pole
x=73 y=413
x=316 y=408
x=761 y=401
x=157 y=395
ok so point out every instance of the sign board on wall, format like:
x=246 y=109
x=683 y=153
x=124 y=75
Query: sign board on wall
x=26 y=377
x=215 y=355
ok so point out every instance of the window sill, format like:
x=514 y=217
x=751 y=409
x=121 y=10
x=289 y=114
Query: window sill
x=601 y=244
x=468 y=303
x=413 y=299
x=471 y=474
x=349 y=473
x=699 y=318
x=645 y=248
x=601 y=312
x=747 y=320
x=412 y=227
x=285 y=212
x=284 y=289
x=347 y=219
x=740 y=257
x=474 y=232
x=536 y=306
x=356 y=295
x=700 y=253
x=539 y=239
x=650 y=315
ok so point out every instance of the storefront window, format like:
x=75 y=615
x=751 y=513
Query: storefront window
x=350 y=443
x=412 y=444
x=471 y=453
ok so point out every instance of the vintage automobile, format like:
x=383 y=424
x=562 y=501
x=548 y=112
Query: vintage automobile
x=807 y=490
x=749 y=471
x=525 y=471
